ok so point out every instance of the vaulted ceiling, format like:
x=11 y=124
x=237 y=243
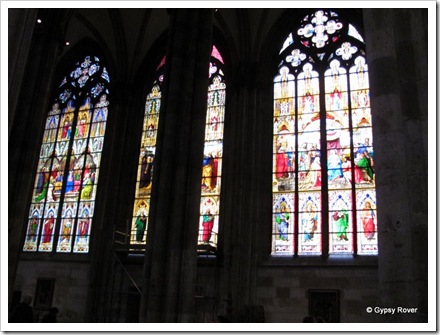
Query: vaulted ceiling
x=129 y=33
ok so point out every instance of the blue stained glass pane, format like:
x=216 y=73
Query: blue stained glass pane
x=68 y=170
x=303 y=104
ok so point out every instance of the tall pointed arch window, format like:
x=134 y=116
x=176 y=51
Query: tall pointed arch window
x=141 y=208
x=63 y=200
x=324 y=199
x=213 y=152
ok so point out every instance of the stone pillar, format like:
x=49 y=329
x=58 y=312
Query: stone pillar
x=21 y=22
x=396 y=42
x=117 y=160
x=28 y=118
x=169 y=286
x=242 y=217
x=247 y=139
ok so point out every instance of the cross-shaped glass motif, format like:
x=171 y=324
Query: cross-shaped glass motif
x=346 y=50
x=319 y=28
x=296 y=57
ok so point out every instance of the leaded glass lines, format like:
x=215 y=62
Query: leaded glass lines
x=63 y=201
x=323 y=168
x=212 y=157
x=146 y=164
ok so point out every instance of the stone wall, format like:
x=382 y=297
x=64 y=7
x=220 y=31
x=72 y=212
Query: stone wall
x=284 y=291
x=70 y=290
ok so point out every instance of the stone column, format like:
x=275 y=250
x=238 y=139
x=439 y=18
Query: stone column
x=243 y=214
x=21 y=22
x=32 y=101
x=117 y=160
x=396 y=42
x=171 y=255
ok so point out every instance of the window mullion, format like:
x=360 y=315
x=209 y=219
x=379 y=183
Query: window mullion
x=296 y=202
x=65 y=176
x=353 y=189
x=324 y=186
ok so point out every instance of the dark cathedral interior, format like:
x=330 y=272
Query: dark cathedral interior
x=116 y=215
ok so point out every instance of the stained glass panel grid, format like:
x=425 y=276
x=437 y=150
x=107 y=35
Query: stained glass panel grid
x=366 y=221
x=209 y=220
x=146 y=163
x=66 y=228
x=68 y=158
x=283 y=224
x=310 y=228
x=334 y=79
x=341 y=222
x=212 y=157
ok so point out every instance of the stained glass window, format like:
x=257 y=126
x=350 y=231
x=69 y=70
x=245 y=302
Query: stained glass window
x=63 y=200
x=213 y=152
x=324 y=199
x=139 y=222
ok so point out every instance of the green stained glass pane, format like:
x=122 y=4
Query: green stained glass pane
x=212 y=157
x=146 y=163
x=68 y=168
x=322 y=137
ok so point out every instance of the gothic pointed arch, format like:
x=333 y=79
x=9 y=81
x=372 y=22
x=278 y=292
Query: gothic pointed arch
x=212 y=155
x=146 y=158
x=63 y=200
x=323 y=181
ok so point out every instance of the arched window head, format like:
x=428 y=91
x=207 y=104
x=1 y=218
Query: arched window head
x=213 y=153
x=63 y=201
x=141 y=208
x=323 y=169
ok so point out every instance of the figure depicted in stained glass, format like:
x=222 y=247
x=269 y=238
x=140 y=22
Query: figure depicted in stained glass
x=90 y=167
x=282 y=158
x=310 y=222
x=340 y=220
x=65 y=134
x=328 y=97
x=214 y=115
x=368 y=217
x=141 y=223
x=52 y=124
x=70 y=182
x=365 y=163
x=150 y=130
x=67 y=228
x=42 y=181
x=282 y=220
x=82 y=125
x=100 y=116
x=50 y=190
x=33 y=226
x=53 y=187
x=207 y=224
x=208 y=173
x=146 y=170
x=67 y=120
x=335 y=95
x=77 y=181
x=89 y=179
x=83 y=227
x=83 y=118
x=315 y=172
x=47 y=228
x=334 y=165
x=313 y=177
x=303 y=162
x=58 y=182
